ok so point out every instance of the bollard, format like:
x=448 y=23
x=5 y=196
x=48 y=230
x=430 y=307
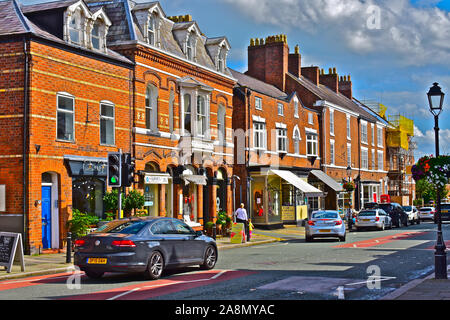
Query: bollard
x=69 y=248
x=214 y=231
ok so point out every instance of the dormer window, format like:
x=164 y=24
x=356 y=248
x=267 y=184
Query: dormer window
x=221 y=59
x=151 y=30
x=95 y=37
x=190 y=46
x=75 y=30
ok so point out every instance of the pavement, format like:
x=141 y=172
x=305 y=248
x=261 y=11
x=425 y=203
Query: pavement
x=426 y=288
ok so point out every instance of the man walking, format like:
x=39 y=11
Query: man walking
x=241 y=217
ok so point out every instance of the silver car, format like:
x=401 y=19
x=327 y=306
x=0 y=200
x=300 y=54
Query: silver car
x=427 y=213
x=413 y=214
x=324 y=224
x=374 y=218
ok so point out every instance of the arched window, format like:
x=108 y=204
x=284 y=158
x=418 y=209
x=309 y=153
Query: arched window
x=187 y=113
x=296 y=139
x=151 y=108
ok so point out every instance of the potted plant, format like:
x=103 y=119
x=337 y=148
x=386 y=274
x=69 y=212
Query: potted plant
x=349 y=186
x=134 y=200
x=208 y=227
x=80 y=223
x=221 y=222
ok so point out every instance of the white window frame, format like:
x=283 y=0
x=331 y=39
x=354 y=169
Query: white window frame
x=364 y=132
x=373 y=133
x=280 y=109
x=380 y=160
x=259 y=129
x=78 y=28
x=190 y=46
x=98 y=37
x=380 y=137
x=331 y=122
x=153 y=113
x=58 y=110
x=201 y=120
x=310 y=118
x=332 y=152
x=282 y=140
x=311 y=140
x=113 y=118
x=258 y=103
x=349 y=128
x=364 y=158
x=349 y=154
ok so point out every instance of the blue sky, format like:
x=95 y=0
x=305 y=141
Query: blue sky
x=393 y=50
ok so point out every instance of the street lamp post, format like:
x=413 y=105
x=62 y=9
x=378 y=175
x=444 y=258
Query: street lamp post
x=436 y=100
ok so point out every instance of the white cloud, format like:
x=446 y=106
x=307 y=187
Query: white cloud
x=414 y=35
x=426 y=142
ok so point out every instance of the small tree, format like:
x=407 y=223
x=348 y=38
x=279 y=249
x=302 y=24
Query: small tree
x=134 y=200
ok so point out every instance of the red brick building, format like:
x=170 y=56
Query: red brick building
x=181 y=121
x=66 y=101
x=349 y=134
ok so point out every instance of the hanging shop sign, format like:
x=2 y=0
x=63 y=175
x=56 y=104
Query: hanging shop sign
x=156 y=179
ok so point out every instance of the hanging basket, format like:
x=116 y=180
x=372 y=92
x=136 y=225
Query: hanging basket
x=349 y=186
x=436 y=170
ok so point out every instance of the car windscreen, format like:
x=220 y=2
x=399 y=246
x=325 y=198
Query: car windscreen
x=425 y=209
x=367 y=213
x=386 y=207
x=325 y=215
x=407 y=208
x=127 y=227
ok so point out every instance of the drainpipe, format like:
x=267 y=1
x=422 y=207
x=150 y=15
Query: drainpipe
x=25 y=144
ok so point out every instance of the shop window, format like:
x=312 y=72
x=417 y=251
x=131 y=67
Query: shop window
x=87 y=195
x=65 y=118
x=274 y=199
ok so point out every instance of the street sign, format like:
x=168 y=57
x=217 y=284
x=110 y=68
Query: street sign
x=11 y=250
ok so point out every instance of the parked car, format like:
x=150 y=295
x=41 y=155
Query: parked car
x=413 y=214
x=427 y=213
x=445 y=212
x=145 y=245
x=373 y=218
x=396 y=212
x=325 y=223
x=370 y=205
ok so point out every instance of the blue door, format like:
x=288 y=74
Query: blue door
x=46 y=217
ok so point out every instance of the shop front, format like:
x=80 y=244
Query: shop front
x=370 y=192
x=279 y=197
x=333 y=191
x=88 y=184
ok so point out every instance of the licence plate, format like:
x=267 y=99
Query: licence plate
x=97 y=260
x=325 y=230
x=366 y=220
x=444 y=211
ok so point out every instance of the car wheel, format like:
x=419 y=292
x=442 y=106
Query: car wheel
x=308 y=239
x=210 y=258
x=94 y=274
x=418 y=221
x=155 y=266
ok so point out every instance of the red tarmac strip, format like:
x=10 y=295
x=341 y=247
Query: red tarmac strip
x=447 y=245
x=378 y=241
x=34 y=281
x=151 y=289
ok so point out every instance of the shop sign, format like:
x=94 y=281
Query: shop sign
x=288 y=213
x=156 y=179
x=237 y=233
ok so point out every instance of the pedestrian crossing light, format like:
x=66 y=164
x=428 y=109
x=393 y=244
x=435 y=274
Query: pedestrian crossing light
x=114 y=169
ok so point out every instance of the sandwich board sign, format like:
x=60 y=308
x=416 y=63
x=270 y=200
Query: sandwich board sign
x=237 y=233
x=11 y=250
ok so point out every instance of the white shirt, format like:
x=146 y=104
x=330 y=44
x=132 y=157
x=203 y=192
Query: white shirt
x=241 y=213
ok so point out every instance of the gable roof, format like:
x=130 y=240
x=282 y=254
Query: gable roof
x=326 y=94
x=258 y=85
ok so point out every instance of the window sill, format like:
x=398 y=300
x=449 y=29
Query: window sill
x=65 y=141
x=108 y=145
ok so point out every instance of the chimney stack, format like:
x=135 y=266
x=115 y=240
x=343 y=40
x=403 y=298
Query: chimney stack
x=268 y=60
x=345 y=86
x=295 y=62
x=311 y=73
x=330 y=80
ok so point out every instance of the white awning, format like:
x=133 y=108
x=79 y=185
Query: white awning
x=197 y=179
x=327 y=180
x=305 y=187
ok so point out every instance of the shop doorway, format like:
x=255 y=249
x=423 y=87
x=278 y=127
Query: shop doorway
x=221 y=197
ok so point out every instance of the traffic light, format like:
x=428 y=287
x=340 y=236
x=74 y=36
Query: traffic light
x=127 y=170
x=114 y=169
